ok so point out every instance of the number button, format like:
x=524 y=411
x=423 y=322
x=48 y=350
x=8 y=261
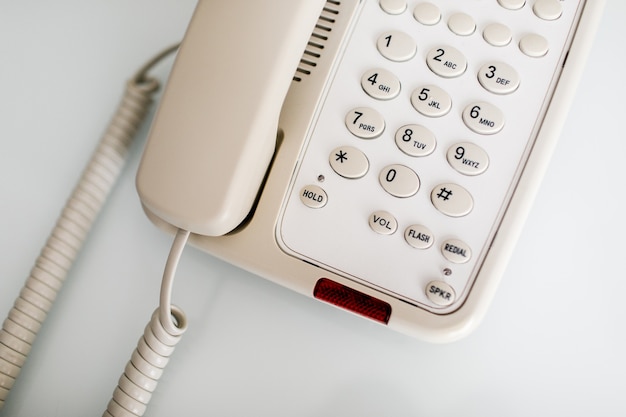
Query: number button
x=452 y=200
x=365 y=123
x=399 y=181
x=499 y=78
x=468 y=158
x=415 y=140
x=349 y=162
x=431 y=101
x=483 y=118
x=446 y=61
x=380 y=84
x=396 y=46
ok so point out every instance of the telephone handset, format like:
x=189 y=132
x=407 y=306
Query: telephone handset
x=377 y=155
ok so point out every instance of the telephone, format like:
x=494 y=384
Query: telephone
x=379 y=156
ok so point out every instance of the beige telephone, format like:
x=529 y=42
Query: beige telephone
x=378 y=155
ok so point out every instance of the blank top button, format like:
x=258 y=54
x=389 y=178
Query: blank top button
x=461 y=24
x=497 y=34
x=548 y=9
x=427 y=14
x=512 y=4
x=534 y=45
x=393 y=6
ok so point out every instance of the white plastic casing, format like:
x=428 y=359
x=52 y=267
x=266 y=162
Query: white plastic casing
x=263 y=246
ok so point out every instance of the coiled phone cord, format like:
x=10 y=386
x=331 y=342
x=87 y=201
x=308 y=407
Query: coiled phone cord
x=36 y=298
x=154 y=348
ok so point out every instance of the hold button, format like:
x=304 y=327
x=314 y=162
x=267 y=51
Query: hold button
x=313 y=196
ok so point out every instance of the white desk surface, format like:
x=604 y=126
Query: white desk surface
x=552 y=344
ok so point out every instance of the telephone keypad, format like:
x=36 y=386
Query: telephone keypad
x=443 y=120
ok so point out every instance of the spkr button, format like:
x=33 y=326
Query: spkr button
x=440 y=293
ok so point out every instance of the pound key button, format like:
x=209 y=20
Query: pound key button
x=440 y=293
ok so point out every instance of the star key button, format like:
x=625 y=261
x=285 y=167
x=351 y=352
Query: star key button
x=349 y=162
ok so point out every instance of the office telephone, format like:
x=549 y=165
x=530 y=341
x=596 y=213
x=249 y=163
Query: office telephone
x=411 y=138
x=377 y=155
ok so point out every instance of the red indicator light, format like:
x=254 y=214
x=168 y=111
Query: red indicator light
x=352 y=300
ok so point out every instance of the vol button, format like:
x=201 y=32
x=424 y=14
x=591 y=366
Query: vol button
x=383 y=223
